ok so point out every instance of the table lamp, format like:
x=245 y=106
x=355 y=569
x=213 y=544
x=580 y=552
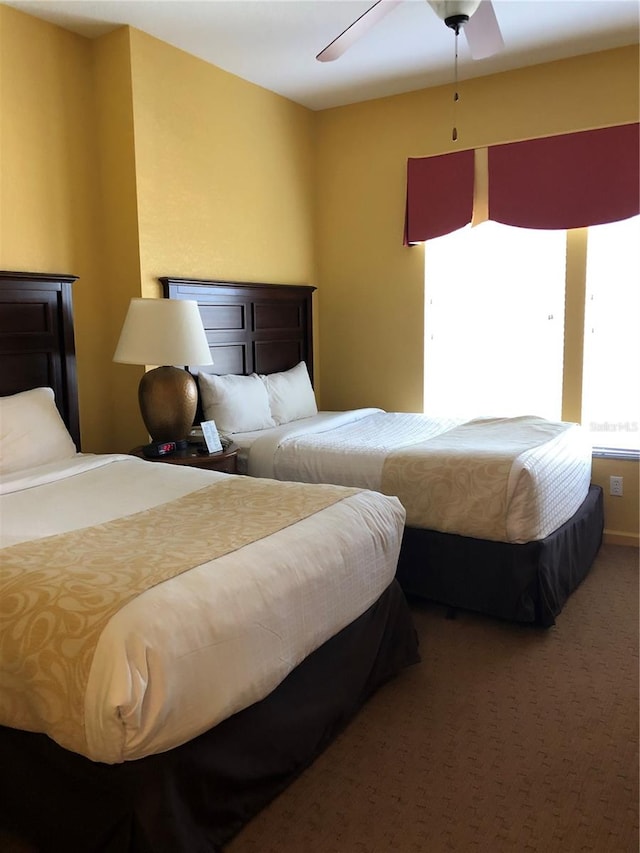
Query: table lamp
x=165 y=332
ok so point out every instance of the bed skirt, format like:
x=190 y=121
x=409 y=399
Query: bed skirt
x=527 y=583
x=198 y=796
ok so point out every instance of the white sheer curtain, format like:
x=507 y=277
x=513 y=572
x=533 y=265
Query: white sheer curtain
x=494 y=322
x=611 y=373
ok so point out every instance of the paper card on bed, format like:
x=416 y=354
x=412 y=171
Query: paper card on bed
x=211 y=437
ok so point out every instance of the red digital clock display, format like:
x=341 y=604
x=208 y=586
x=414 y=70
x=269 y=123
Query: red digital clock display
x=158 y=448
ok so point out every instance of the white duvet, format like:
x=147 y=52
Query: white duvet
x=193 y=650
x=546 y=484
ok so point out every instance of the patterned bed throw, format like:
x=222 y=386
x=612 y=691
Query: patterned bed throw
x=462 y=480
x=58 y=593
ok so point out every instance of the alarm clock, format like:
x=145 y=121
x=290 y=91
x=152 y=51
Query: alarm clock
x=159 y=448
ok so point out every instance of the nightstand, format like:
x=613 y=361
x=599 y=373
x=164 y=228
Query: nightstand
x=225 y=460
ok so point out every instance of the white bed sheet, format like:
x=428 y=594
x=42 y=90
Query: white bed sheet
x=193 y=650
x=547 y=484
x=347 y=448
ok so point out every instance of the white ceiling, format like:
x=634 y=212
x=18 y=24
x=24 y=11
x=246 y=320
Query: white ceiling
x=274 y=42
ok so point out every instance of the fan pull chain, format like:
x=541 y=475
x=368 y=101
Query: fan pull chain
x=456 y=96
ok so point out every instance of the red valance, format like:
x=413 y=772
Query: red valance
x=569 y=181
x=557 y=182
x=439 y=195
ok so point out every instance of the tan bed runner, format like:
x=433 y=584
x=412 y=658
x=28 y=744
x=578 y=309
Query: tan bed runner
x=458 y=481
x=58 y=593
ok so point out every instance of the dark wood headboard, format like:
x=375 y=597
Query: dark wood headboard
x=251 y=328
x=37 y=344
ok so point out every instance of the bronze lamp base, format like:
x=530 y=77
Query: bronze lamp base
x=168 y=398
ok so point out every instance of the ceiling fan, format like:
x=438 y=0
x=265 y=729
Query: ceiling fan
x=476 y=18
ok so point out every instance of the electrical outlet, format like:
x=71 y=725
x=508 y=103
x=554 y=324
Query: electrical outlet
x=615 y=486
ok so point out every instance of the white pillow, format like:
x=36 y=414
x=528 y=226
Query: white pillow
x=32 y=431
x=235 y=403
x=290 y=394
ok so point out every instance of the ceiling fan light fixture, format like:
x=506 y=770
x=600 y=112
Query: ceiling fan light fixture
x=450 y=10
x=455 y=22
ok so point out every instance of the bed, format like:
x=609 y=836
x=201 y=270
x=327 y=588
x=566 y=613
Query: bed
x=501 y=516
x=168 y=633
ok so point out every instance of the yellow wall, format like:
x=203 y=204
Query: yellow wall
x=117 y=224
x=123 y=159
x=224 y=173
x=620 y=512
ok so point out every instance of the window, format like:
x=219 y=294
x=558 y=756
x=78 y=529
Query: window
x=611 y=380
x=494 y=327
x=494 y=322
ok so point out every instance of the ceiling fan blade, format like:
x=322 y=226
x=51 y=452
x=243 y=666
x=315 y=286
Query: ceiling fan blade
x=483 y=32
x=357 y=29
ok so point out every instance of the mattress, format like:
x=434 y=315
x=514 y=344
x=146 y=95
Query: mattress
x=196 y=648
x=542 y=484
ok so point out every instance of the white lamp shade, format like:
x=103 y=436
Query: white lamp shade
x=163 y=332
